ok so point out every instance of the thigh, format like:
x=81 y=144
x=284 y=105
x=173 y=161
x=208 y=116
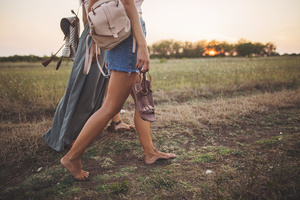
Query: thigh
x=119 y=88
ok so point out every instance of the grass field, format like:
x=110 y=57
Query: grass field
x=234 y=124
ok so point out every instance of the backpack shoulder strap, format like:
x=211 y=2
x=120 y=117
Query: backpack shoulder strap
x=89 y=57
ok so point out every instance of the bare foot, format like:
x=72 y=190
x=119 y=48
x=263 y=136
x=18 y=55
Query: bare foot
x=74 y=167
x=156 y=155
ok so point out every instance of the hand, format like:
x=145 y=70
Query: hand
x=143 y=59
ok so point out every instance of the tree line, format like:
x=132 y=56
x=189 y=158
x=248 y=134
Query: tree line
x=26 y=58
x=203 y=48
x=177 y=49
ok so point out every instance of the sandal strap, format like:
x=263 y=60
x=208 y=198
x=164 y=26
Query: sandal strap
x=148 y=109
x=116 y=123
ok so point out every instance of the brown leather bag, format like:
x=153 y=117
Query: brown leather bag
x=143 y=96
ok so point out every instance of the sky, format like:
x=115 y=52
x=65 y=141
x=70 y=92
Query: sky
x=33 y=26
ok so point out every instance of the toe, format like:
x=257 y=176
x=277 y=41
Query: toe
x=171 y=155
x=85 y=173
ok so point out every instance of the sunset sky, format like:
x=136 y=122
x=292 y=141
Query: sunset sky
x=32 y=26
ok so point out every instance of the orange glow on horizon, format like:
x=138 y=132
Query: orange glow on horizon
x=212 y=52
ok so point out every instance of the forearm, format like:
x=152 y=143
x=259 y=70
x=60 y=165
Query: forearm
x=91 y=3
x=84 y=16
x=133 y=15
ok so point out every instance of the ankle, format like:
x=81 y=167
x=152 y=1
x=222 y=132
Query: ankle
x=151 y=152
x=69 y=158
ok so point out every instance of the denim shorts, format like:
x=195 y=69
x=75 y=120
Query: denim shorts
x=121 y=58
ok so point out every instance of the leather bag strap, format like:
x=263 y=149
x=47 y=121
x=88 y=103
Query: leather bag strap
x=89 y=57
x=97 y=58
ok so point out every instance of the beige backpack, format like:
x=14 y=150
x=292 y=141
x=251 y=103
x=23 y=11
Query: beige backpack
x=109 y=26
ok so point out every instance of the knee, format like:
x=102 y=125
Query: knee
x=110 y=111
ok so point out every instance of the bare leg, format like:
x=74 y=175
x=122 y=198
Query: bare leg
x=117 y=118
x=144 y=133
x=119 y=89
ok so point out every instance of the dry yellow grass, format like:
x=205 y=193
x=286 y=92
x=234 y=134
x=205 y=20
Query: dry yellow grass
x=19 y=141
x=217 y=110
x=23 y=141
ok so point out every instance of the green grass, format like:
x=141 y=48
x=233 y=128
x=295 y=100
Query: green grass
x=225 y=74
x=31 y=87
x=36 y=87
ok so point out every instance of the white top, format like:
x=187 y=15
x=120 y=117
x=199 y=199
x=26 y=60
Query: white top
x=138 y=5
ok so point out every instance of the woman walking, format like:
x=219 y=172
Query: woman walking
x=83 y=96
x=123 y=75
